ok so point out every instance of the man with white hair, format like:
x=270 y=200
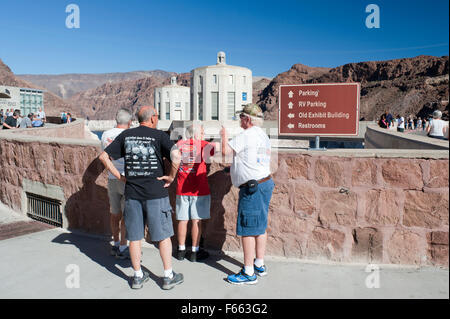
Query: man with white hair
x=146 y=191
x=437 y=128
x=116 y=187
x=41 y=115
x=250 y=172
x=193 y=199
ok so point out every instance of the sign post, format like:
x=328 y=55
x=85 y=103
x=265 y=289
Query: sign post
x=329 y=109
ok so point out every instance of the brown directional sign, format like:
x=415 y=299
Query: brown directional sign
x=319 y=109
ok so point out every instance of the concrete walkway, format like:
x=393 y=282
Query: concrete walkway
x=46 y=264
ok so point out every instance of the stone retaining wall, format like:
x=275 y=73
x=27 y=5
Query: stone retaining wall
x=74 y=130
x=381 y=138
x=358 y=207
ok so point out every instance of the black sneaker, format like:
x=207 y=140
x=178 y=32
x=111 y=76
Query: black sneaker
x=181 y=254
x=138 y=282
x=198 y=255
x=114 y=250
x=170 y=283
x=125 y=254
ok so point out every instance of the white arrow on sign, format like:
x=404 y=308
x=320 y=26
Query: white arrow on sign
x=290 y=125
x=291 y=115
x=290 y=105
x=291 y=94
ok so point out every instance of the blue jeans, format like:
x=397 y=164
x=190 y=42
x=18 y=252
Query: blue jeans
x=253 y=209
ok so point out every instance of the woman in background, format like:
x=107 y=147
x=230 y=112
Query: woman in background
x=437 y=128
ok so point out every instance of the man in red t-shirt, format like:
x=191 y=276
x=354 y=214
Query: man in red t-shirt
x=193 y=195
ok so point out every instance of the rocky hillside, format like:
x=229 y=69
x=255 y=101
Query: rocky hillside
x=67 y=85
x=410 y=86
x=102 y=103
x=53 y=104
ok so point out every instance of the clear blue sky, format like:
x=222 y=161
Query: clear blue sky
x=266 y=36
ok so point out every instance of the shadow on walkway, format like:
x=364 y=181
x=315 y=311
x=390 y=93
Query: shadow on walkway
x=96 y=250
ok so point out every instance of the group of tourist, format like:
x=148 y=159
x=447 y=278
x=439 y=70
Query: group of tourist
x=66 y=117
x=138 y=190
x=434 y=126
x=12 y=119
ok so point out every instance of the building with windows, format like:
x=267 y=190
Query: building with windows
x=219 y=91
x=25 y=99
x=173 y=101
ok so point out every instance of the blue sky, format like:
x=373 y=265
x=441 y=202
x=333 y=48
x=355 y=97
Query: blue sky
x=266 y=36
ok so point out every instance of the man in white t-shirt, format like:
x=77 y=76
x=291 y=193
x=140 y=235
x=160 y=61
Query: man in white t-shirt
x=400 y=123
x=116 y=188
x=250 y=172
x=41 y=115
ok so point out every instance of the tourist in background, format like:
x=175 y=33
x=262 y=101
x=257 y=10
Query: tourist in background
x=63 y=117
x=382 y=122
x=1 y=116
x=389 y=119
x=419 y=123
x=26 y=121
x=411 y=123
x=250 y=172
x=116 y=188
x=424 y=124
x=193 y=199
x=41 y=115
x=69 y=118
x=146 y=195
x=437 y=128
x=37 y=122
x=11 y=121
x=400 y=123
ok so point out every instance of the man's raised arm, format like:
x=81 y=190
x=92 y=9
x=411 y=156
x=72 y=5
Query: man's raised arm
x=104 y=158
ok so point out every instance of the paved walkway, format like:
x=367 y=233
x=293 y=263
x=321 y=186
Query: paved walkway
x=45 y=264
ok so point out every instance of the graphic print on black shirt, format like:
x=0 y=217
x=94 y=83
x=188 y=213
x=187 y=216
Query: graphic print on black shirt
x=140 y=156
x=143 y=149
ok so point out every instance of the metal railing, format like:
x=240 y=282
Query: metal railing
x=44 y=209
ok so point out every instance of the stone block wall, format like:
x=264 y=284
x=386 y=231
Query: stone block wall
x=358 y=208
x=378 y=210
x=74 y=168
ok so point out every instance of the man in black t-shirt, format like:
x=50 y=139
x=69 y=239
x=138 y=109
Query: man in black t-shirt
x=11 y=121
x=146 y=195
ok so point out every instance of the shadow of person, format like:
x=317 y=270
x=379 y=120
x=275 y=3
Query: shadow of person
x=214 y=232
x=88 y=208
x=95 y=249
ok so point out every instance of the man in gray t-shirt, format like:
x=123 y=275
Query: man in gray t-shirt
x=26 y=121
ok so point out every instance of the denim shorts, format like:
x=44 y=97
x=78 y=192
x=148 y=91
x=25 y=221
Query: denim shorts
x=155 y=213
x=193 y=207
x=253 y=209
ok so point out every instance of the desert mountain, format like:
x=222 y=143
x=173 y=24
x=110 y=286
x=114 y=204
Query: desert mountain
x=410 y=86
x=67 y=85
x=102 y=103
x=53 y=104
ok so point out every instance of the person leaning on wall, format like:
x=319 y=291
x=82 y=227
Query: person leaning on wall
x=250 y=172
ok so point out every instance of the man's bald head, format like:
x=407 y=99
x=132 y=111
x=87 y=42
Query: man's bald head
x=145 y=113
